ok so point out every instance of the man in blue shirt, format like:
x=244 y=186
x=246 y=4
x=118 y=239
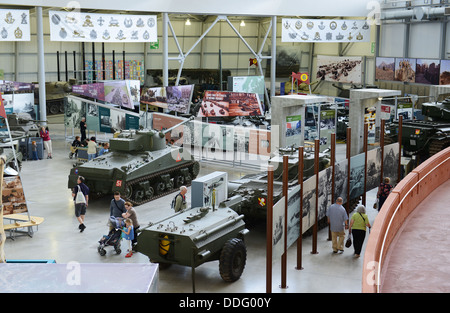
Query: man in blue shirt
x=337 y=218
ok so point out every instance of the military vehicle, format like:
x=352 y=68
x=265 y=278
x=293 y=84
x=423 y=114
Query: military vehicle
x=54 y=95
x=22 y=124
x=195 y=236
x=251 y=190
x=140 y=165
x=424 y=138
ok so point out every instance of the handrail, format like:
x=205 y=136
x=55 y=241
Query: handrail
x=413 y=188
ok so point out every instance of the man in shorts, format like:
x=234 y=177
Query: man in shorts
x=80 y=206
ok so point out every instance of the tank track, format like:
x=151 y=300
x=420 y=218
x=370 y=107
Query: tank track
x=438 y=145
x=153 y=178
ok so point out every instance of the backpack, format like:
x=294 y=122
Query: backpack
x=174 y=201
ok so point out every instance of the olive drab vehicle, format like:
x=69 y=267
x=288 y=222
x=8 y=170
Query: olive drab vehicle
x=54 y=95
x=195 y=236
x=140 y=165
x=424 y=138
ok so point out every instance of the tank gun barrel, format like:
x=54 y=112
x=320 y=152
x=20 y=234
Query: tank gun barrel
x=165 y=131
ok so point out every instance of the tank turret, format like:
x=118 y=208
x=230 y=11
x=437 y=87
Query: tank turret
x=140 y=165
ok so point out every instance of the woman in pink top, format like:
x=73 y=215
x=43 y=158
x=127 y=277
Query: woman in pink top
x=45 y=135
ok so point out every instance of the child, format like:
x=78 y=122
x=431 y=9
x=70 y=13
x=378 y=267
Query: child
x=128 y=235
x=34 y=149
x=75 y=144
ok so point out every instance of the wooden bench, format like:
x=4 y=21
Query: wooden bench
x=18 y=221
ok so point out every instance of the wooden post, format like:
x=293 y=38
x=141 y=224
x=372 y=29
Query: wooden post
x=316 y=211
x=269 y=221
x=285 y=195
x=300 y=182
x=400 y=130
x=366 y=133
x=333 y=167
x=382 y=149
x=349 y=141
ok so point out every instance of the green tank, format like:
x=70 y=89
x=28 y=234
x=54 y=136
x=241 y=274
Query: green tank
x=424 y=138
x=249 y=196
x=140 y=165
x=195 y=236
x=54 y=95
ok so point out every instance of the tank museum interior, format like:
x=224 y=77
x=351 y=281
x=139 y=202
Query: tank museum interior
x=273 y=147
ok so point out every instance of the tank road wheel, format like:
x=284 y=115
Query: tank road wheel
x=195 y=169
x=179 y=181
x=187 y=179
x=54 y=108
x=150 y=192
x=128 y=191
x=139 y=195
x=232 y=259
x=159 y=187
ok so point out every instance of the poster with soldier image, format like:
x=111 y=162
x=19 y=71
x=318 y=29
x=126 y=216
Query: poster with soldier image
x=74 y=110
x=327 y=127
x=92 y=117
x=278 y=229
x=340 y=183
x=373 y=168
x=357 y=170
x=325 y=191
x=294 y=216
x=309 y=203
x=390 y=162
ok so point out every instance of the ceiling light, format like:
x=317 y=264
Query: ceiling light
x=242 y=23
x=188 y=22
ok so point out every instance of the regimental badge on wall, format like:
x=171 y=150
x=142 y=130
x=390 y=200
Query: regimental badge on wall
x=15 y=25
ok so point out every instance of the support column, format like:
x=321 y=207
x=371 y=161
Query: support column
x=165 y=66
x=273 y=63
x=41 y=65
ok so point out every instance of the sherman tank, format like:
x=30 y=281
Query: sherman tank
x=195 y=236
x=140 y=165
x=424 y=138
x=22 y=124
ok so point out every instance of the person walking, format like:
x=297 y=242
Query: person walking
x=45 y=135
x=358 y=223
x=83 y=127
x=80 y=196
x=383 y=192
x=337 y=217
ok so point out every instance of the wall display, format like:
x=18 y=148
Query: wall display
x=104 y=115
x=179 y=98
x=165 y=121
x=390 y=162
x=327 y=127
x=99 y=27
x=19 y=103
x=293 y=226
x=227 y=103
x=309 y=202
x=369 y=119
x=278 y=229
x=15 y=25
x=311 y=131
x=340 y=184
x=357 y=170
x=405 y=70
x=134 y=70
x=318 y=30
x=13 y=196
x=11 y=86
x=325 y=191
x=385 y=68
x=118 y=92
x=428 y=71
x=242 y=137
x=293 y=129
x=92 y=116
x=250 y=84
x=74 y=110
x=259 y=142
x=339 y=69
x=154 y=96
x=373 y=168
x=444 y=78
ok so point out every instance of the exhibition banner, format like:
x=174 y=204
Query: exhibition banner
x=95 y=91
x=15 y=25
x=321 y=30
x=227 y=103
x=99 y=27
x=179 y=98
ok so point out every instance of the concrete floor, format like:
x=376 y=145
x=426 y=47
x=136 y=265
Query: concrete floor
x=58 y=238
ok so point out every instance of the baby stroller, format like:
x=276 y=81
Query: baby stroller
x=112 y=239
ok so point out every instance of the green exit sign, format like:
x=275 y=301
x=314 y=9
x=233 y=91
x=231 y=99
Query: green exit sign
x=154 y=45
